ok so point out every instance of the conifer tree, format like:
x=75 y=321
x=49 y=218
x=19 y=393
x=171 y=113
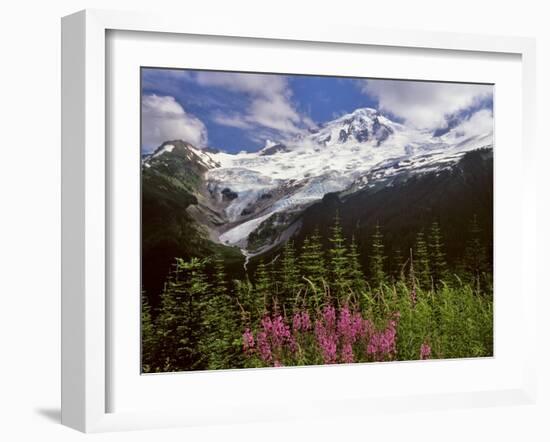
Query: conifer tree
x=220 y=277
x=312 y=261
x=356 y=275
x=475 y=254
x=197 y=288
x=263 y=283
x=148 y=341
x=179 y=323
x=377 y=257
x=339 y=265
x=289 y=274
x=251 y=305
x=438 y=260
x=398 y=271
x=220 y=323
x=422 y=262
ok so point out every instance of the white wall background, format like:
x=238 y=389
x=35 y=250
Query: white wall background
x=30 y=215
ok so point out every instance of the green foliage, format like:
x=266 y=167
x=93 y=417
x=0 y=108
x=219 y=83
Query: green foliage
x=422 y=262
x=356 y=276
x=475 y=255
x=289 y=275
x=338 y=260
x=202 y=315
x=312 y=266
x=377 y=258
x=219 y=343
x=148 y=338
x=264 y=283
x=440 y=272
x=398 y=265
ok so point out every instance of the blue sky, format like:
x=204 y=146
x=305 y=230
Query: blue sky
x=241 y=111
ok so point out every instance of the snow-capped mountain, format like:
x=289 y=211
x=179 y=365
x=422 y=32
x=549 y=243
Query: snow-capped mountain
x=254 y=200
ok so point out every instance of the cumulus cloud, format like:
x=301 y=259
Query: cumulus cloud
x=269 y=102
x=424 y=104
x=163 y=119
x=479 y=123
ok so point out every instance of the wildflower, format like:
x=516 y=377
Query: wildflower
x=264 y=348
x=280 y=332
x=248 y=340
x=425 y=351
x=326 y=334
x=382 y=344
x=350 y=327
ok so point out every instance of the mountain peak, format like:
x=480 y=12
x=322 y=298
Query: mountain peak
x=360 y=126
x=183 y=150
x=361 y=112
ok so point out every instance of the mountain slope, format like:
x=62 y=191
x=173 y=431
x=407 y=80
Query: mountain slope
x=200 y=202
x=171 y=179
x=360 y=149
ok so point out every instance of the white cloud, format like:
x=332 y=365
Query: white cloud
x=257 y=84
x=269 y=102
x=164 y=119
x=479 y=123
x=233 y=120
x=424 y=104
x=275 y=112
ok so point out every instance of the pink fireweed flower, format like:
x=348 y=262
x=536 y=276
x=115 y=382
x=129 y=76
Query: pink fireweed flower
x=327 y=343
x=326 y=334
x=347 y=353
x=425 y=351
x=280 y=332
x=382 y=344
x=266 y=324
x=271 y=339
x=264 y=347
x=350 y=328
x=345 y=324
x=248 y=340
x=358 y=325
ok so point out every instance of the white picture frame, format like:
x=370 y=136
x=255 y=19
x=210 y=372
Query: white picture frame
x=85 y=203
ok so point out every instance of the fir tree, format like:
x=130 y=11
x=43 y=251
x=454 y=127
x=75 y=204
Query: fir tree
x=263 y=283
x=220 y=323
x=179 y=323
x=339 y=265
x=312 y=261
x=437 y=255
x=148 y=341
x=377 y=257
x=356 y=275
x=398 y=264
x=251 y=305
x=475 y=254
x=197 y=288
x=422 y=262
x=289 y=274
x=220 y=277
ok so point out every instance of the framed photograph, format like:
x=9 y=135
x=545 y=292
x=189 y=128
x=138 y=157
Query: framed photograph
x=264 y=223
